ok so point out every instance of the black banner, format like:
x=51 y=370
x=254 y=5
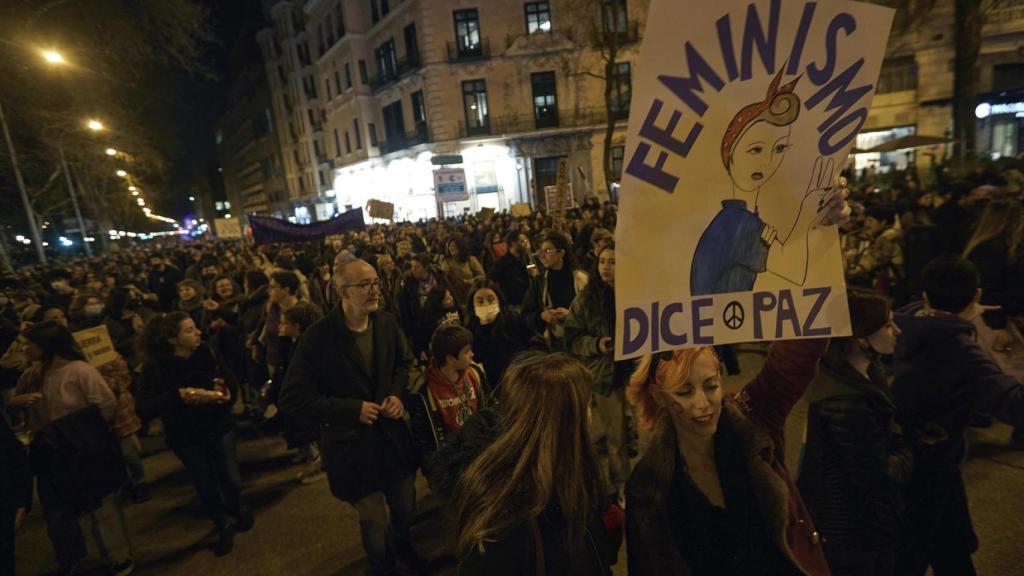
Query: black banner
x=266 y=230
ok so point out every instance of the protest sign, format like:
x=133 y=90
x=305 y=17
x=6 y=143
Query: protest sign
x=381 y=209
x=96 y=345
x=450 y=184
x=742 y=114
x=486 y=213
x=519 y=210
x=554 y=194
x=227 y=228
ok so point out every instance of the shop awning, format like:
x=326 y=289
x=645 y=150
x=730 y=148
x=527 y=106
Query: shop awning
x=905 y=142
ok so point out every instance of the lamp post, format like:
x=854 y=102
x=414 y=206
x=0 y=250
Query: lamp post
x=74 y=202
x=37 y=240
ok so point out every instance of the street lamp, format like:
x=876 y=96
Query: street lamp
x=53 y=57
x=111 y=152
x=122 y=173
x=132 y=188
x=135 y=192
x=95 y=125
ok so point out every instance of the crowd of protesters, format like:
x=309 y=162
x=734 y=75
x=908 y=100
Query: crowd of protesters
x=480 y=352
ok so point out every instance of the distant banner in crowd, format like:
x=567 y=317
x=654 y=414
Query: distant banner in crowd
x=380 y=209
x=226 y=228
x=742 y=115
x=96 y=345
x=271 y=230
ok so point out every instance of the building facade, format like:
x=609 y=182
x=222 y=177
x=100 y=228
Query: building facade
x=915 y=88
x=375 y=94
x=251 y=164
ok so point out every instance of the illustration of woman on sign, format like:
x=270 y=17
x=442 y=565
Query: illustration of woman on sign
x=737 y=245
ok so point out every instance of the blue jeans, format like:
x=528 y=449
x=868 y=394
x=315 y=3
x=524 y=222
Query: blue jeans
x=213 y=468
x=385 y=534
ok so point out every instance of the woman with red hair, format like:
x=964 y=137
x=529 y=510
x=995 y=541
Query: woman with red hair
x=711 y=495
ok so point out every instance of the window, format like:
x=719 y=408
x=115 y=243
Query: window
x=362 y=72
x=348 y=76
x=297 y=162
x=387 y=65
x=348 y=144
x=321 y=44
x=613 y=17
x=280 y=75
x=538 y=17
x=467 y=32
x=372 y=128
x=327 y=85
x=384 y=9
x=897 y=74
x=312 y=119
x=316 y=149
x=337 y=144
x=545 y=100
x=621 y=90
x=412 y=49
x=419 y=108
x=394 y=123
x=355 y=130
x=1006 y=77
x=374 y=13
x=474 y=101
x=337 y=82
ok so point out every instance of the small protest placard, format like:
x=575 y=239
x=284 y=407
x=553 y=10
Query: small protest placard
x=486 y=213
x=227 y=228
x=519 y=210
x=96 y=345
x=381 y=209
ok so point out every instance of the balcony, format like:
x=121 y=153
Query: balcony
x=402 y=141
x=629 y=34
x=523 y=123
x=404 y=66
x=457 y=54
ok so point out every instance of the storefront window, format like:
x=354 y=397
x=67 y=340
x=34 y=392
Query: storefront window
x=882 y=162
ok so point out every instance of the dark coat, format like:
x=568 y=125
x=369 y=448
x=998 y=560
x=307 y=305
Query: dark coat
x=495 y=345
x=81 y=457
x=416 y=321
x=327 y=383
x=184 y=424
x=511 y=275
x=1002 y=280
x=757 y=415
x=15 y=472
x=942 y=375
x=855 y=464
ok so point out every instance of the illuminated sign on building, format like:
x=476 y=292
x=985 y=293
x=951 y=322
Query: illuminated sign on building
x=984 y=110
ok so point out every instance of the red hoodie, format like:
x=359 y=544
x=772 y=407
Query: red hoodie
x=455 y=402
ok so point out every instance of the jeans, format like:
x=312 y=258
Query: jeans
x=213 y=469
x=132 y=460
x=941 y=534
x=107 y=522
x=385 y=523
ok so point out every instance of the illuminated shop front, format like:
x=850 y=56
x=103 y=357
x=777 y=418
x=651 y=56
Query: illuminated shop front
x=407 y=181
x=882 y=162
x=1000 y=130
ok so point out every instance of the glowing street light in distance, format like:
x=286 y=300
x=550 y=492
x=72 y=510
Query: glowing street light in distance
x=122 y=173
x=111 y=152
x=53 y=57
x=95 y=125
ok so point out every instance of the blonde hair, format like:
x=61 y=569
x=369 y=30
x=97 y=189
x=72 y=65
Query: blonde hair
x=670 y=370
x=1000 y=218
x=542 y=456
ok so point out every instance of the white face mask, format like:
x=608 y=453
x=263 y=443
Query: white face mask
x=93 y=310
x=487 y=313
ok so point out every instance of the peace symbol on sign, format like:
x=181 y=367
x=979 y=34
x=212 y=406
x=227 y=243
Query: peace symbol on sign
x=733 y=315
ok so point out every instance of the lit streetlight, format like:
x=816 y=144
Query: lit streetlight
x=95 y=125
x=132 y=188
x=53 y=57
x=111 y=152
x=135 y=192
x=122 y=173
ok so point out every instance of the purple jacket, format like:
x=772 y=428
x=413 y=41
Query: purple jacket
x=942 y=376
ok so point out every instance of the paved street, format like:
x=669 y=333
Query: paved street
x=302 y=530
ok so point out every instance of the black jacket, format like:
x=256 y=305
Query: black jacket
x=81 y=457
x=942 y=376
x=326 y=385
x=416 y=321
x=511 y=275
x=15 y=472
x=854 y=464
x=184 y=423
x=495 y=345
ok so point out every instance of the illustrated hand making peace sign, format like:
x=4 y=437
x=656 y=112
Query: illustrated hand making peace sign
x=825 y=199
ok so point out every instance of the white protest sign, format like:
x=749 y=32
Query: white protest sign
x=742 y=114
x=96 y=345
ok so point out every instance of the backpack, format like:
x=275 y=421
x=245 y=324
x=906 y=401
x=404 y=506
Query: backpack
x=425 y=422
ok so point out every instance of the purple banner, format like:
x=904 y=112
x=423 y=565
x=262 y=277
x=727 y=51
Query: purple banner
x=266 y=230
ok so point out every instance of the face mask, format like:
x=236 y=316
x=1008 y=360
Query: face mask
x=487 y=313
x=93 y=310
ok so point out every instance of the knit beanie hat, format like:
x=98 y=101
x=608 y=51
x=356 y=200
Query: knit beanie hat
x=869 y=311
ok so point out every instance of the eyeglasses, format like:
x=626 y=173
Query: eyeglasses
x=546 y=251
x=365 y=285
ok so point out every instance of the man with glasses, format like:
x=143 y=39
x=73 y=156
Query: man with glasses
x=347 y=375
x=547 y=301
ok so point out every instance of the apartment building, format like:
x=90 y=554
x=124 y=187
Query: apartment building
x=915 y=88
x=249 y=151
x=376 y=94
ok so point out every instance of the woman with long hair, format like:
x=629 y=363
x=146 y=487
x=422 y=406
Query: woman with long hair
x=531 y=502
x=589 y=335
x=60 y=386
x=855 y=462
x=996 y=250
x=181 y=384
x=461 y=267
x=711 y=494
